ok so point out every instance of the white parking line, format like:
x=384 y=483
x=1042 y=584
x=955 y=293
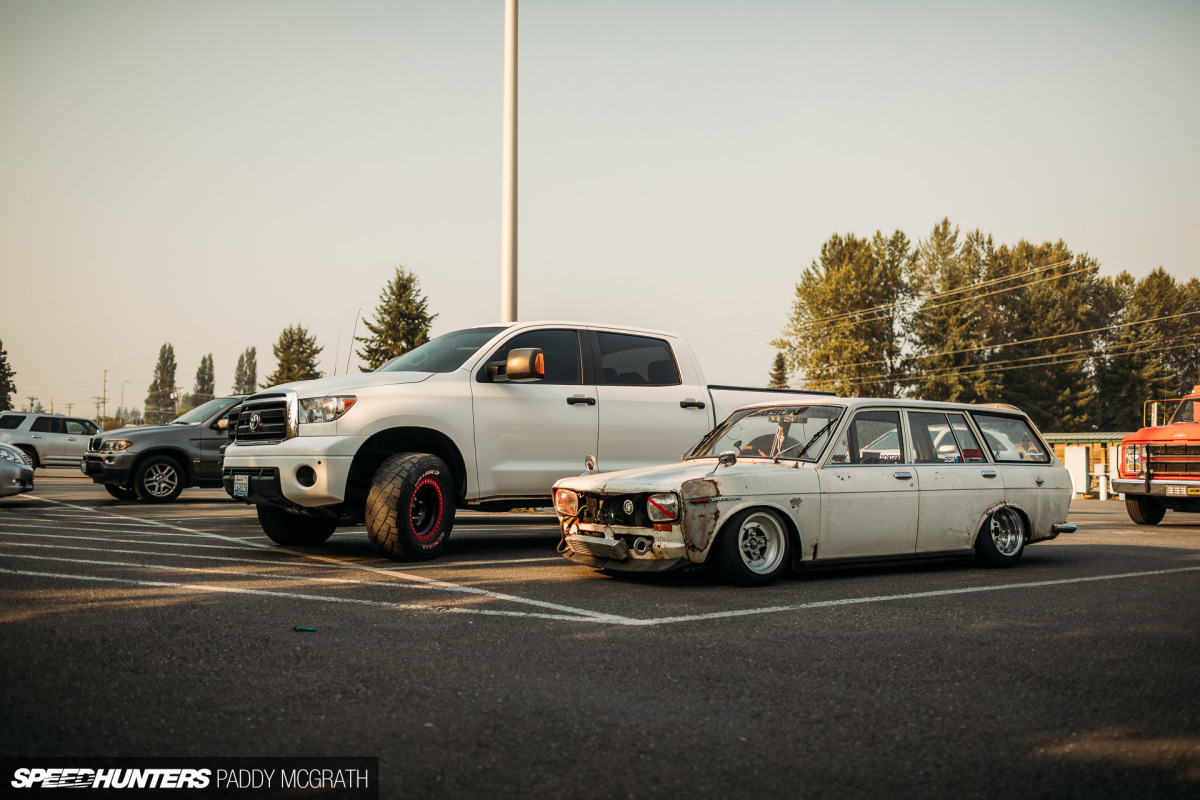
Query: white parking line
x=849 y=601
x=204 y=587
x=341 y=564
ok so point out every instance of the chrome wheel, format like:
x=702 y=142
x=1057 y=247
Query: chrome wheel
x=1007 y=532
x=761 y=543
x=160 y=480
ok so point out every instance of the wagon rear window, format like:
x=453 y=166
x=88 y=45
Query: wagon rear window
x=1011 y=439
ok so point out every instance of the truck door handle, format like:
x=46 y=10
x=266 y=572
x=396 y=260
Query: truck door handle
x=691 y=403
x=903 y=476
x=989 y=473
x=575 y=400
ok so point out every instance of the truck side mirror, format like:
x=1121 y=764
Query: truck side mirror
x=524 y=364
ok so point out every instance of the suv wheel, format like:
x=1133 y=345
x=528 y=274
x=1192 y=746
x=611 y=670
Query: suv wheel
x=159 y=480
x=120 y=492
x=31 y=454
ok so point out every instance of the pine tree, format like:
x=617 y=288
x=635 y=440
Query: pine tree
x=206 y=381
x=779 y=375
x=160 y=403
x=842 y=334
x=8 y=389
x=402 y=321
x=296 y=353
x=948 y=329
x=245 y=376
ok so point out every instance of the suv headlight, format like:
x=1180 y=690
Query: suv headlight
x=662 y=507
x=566 y=502
x=113 y=445
x=325 y=409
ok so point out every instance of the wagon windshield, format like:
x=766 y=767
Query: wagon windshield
x=787 y=432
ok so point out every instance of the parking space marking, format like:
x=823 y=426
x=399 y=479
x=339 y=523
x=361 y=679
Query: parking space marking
x=408 y=576
x=204 y=587
x=849 y=601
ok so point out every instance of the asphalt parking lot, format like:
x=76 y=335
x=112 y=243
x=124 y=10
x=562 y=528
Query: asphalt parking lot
x=502 y=670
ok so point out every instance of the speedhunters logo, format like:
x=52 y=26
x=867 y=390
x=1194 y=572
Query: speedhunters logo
x=67 y=778
x=194 y=777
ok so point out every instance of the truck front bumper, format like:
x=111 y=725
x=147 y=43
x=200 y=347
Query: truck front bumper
x=303 y=472
x=1170 y=487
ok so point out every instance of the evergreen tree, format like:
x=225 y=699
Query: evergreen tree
x=245 y=376
x=1048 y=373
x=842 y=334
x=160 y=404
x=402 y=321
x=949 y=326
x=779 y=375
x=8 y=389
x=296 y=353
x=206 y=382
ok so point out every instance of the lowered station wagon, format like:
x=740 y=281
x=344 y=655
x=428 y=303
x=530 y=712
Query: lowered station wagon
x=776 y=486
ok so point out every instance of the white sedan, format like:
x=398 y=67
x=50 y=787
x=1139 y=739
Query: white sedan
x=777 y=486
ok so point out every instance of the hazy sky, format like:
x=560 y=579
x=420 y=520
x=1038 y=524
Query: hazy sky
x=207 y=173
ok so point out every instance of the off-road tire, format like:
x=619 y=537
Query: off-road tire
x=753 y=547
x=410 y=508
x=1002 y=539
x=283 y=527
x=159 y=479
x=1145 y=510
x=120 y=492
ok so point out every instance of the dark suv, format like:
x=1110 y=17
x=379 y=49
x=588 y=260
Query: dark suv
x=157 y=462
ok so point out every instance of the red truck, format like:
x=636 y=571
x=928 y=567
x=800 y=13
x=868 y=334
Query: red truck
x=1159 y=468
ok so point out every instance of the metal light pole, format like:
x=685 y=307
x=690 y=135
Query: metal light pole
x=508 y=213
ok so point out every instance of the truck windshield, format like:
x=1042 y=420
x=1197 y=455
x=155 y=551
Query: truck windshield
x=789 y=432
x=444 y=354
x=1185 y=413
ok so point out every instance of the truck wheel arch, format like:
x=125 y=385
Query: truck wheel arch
x=386 y=443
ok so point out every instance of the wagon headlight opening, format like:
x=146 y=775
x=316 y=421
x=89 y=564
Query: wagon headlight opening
x=566 y=502
x=325 y=409
x=662 y=507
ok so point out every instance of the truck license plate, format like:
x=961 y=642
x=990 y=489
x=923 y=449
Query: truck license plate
x=241 y=485
x=1194 y=491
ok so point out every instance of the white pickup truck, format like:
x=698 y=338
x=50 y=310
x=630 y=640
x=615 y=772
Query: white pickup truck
x=487 y=418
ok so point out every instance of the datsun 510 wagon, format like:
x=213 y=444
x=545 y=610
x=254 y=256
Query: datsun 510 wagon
x=777 y=486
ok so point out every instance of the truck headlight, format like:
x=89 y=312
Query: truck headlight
x=113 y=445
x=325 y=409
x=662 y=507
x=1133 y=458
x=566 y=502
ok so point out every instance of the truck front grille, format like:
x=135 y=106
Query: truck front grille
x=262 y=422
x=1173 y=460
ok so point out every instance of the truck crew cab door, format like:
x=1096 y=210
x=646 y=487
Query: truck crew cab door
x=652 y=408
x=528 y=435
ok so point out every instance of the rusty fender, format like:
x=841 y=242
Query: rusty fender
x=701 y=514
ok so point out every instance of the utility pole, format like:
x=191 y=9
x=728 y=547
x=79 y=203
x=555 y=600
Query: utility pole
x=69 y=407
x=104 y=393
x=508 y=212
x=97 y=401
x=31 y=400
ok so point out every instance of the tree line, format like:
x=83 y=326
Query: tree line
x=402 y=322
x=961 y=318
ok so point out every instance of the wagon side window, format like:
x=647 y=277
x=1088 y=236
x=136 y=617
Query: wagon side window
x=1011 y=438
x=933 y=441
x=872 y=437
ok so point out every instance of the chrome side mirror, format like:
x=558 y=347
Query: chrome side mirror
x=589 y=465
x=728 y=458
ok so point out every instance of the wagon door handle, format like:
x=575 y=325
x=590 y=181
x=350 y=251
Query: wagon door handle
x=1039 y=481
x=903 y=476
x=989 y=473
x=691 y=403
x=575 y=400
